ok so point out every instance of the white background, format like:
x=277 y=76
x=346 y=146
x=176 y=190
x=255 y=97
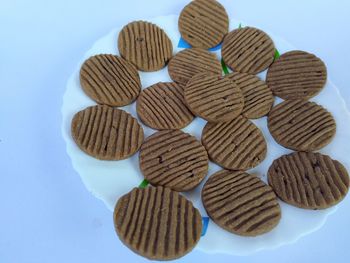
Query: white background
x=46 y=213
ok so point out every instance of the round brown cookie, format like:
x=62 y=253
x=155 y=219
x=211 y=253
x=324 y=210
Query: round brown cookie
x=248 y=50
x=301 y=125
x=234 y=145
x=203 y=23
x=106 y=133
x=145 y=45
x=188 y=62
x=173 y=159
x=110 y=80
x=309 y=180
x=215 y=98
x=297 y=75
x=258 y=98
x=241 y=203
x=157 y=223
x=162 y=106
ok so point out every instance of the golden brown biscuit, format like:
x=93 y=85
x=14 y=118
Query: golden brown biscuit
x=157 y=223
x=240 y=203
x=203 y=23
x=235 y=145
x=297 y=75
x=110 y=80
x=145 y=45
x=301 y=125
x=309 y=180
x=162 y=106
x=174 y=159
x=106 y=133
x=248 y=50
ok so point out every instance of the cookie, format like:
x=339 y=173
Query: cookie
x=258 y=98
x=214 y=98
x=173 y=159
x=248 y=50
x=157 y=223
x=301 y=125
x=203 y=23
x=145 y=45
x=309 y=180
x=297 y=75
x=162 y=106
x=188 y=62
x=106 y=133
x=241 y=203
x=110 y=80
x=234 y=145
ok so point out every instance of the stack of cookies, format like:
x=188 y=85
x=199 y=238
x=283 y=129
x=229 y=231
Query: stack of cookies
x=156 y=221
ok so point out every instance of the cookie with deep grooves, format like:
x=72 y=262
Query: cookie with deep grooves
x=188 y=62
x=215 y=98
x=203 y=23
x=157 y=223
x=145 y=45
x=173 y=159
x=258 y=98
x=106 y=133
x=309 y=180
x=248 y=50
x=297 y=75
x=235 y=145
x=301 y=125
x=241 y=203
x=162 y=106
x=110 y=80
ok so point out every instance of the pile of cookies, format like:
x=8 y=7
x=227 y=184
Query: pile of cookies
x=156 y=221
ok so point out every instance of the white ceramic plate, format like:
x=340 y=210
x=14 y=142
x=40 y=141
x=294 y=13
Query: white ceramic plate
x=108 y=180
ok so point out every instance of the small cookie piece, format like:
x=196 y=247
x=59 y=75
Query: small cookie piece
x=241 y=203
x=106 y=133
x=248 y=50
x=203 y=23
x=145 y=45
x=234 y=145
x=110 y=80
x=297 y=75
x=173 y=159
x=188 y=62
x=301 y=125
x=162 y=106
x=309 y=180
x=157 y=223
x=213 y=98
x=258 y=98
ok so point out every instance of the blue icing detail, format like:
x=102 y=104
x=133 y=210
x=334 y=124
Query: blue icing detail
x=205 y=222
x=183 y=44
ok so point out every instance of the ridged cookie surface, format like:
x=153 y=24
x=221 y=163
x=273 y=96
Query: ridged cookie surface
x=203 y=23
x=301 y=125
x=213 y=97
x=157 y=223
x=248 y=50
x=235 y=145
x=309 y=180
x=258 y=98
x=162 y=106
x=145 y=45
x=297 y=75
x=241 y=203
x=106 y=133
x=188 y=62
x=174 y=159
x=110 y=80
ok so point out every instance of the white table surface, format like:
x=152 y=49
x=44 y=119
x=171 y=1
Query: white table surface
x=46 y=213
